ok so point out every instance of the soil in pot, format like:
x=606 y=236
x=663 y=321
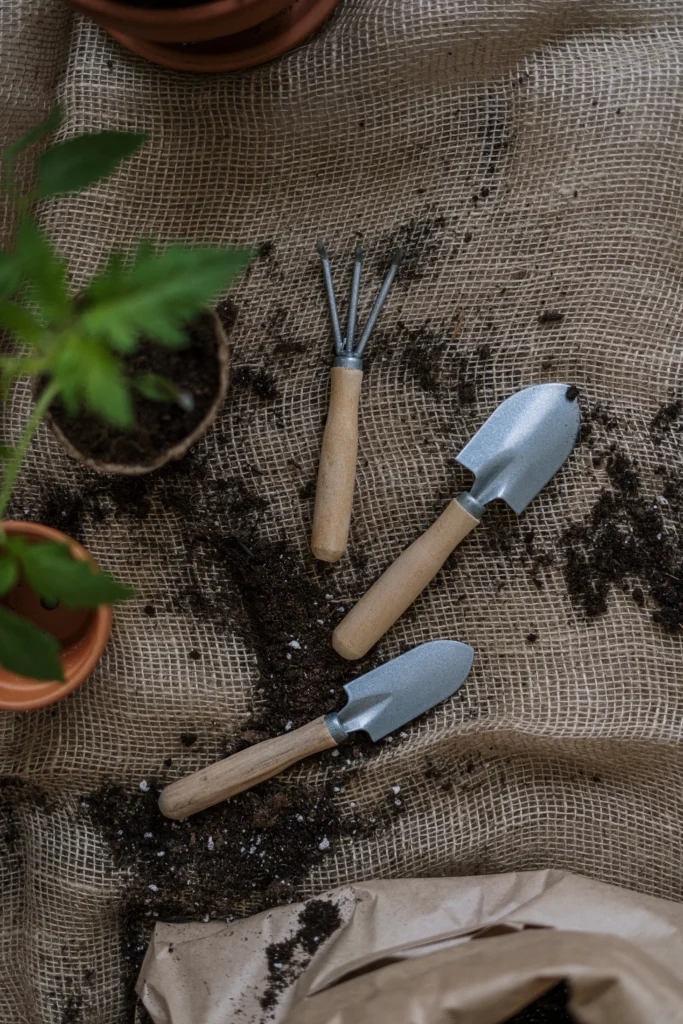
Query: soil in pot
x=160 y=426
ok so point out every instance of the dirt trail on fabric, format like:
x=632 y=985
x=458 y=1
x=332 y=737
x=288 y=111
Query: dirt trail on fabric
x=517 y=157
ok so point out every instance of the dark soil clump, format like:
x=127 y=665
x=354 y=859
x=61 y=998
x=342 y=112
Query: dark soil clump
x=628 y=539
x=551 y=1008
x=551 y=316
x=257 y=380
x=158 y=425
x=666 y=419
x=419 y=239
x=288 y=959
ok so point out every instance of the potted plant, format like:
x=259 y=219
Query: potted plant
x=80 y=351
x=222 y=35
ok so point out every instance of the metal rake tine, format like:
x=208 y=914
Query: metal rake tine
x=353 y=302
x=379 y=302
x=331 y=300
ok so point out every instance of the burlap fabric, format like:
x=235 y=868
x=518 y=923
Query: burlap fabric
x=564 y=121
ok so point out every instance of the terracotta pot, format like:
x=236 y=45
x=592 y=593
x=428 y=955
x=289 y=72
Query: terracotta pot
x=82 y=632
x=224 y=35
x=177 y=450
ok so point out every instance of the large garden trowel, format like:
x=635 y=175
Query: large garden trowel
x=513 y=456
x=379 y=702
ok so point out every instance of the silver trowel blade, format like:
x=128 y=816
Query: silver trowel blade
x=523 y=444
x=401 y=689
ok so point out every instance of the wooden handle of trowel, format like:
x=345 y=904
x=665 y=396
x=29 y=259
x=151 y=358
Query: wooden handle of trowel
x=400 y=584
x=337 y=471
x=243 y=770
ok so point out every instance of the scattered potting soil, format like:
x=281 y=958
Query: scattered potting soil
x=72 y=1010
x=419 y=239
x=667 y=419
x=423 y=352
x=551 y=316
x=159 y=425
x=632 y=541
x=257 y=380
x=288 y=959
x=286 y=620
x=239 y=857
x=550 y=1008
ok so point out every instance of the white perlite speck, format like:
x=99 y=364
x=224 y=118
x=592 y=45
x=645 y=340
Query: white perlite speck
x=324 y=844
x=295 y=644
x=144 y=785
x=153 y=887
x=210 y=843
x=395 y=789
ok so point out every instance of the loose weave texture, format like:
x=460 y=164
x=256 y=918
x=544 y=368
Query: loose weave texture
x=564 y=120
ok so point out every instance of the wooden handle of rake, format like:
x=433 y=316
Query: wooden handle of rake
x=337 y=470
x=243 y=770
x=400 y=584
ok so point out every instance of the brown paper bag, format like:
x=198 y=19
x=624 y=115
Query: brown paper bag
x=467 y=950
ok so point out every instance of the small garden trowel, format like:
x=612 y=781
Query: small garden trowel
x=513 y=456
x=379 y=702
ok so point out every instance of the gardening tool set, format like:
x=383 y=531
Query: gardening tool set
x=513 y=456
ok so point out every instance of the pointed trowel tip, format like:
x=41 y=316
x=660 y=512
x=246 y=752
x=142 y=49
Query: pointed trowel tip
x=320 y=246
x=358 y=253
x=397 y=257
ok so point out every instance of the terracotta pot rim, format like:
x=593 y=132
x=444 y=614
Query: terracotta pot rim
x=253 y=50
x=101 y=628
x=176 y=451
x=146 y=17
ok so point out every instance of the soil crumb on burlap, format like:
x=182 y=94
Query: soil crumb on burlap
x=629 y=540
x=667 y=419
x=419 y=240
x=257 y=380
x=158 y=425
x=551 y=1008
x=288 y=959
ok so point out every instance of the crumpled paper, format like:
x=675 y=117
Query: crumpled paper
x=433 y=950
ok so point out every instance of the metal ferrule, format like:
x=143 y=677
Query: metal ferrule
x=471 y=504
x=337 y=730
x=348 y=362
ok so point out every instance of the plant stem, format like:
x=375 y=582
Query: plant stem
x=15 y=463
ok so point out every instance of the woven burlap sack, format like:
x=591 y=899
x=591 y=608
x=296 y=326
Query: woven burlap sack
x=528 y=154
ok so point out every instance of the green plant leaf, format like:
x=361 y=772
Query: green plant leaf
x=10 y=274
x=52 y=571
x=9 y=572
x=107 y=394
x=21 y=322
x=44 y=271
x=161 y=389
x=158 y=294
x=46 y=127
x=89 y=375
x=25 y=649
x=79 y=162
